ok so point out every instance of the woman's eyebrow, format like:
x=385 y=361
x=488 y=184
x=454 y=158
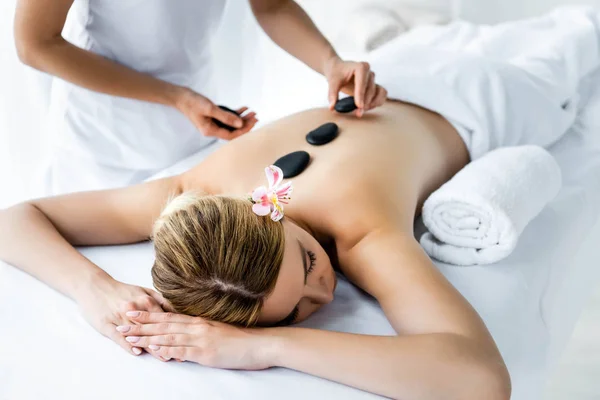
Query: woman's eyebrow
x=303 y=255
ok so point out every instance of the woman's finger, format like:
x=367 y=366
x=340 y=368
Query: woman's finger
x=361 y=78
x=155 y=329
x=183 y=353
x=164 y=304
x=171 y=339
x=119 y=339
x=146 y=317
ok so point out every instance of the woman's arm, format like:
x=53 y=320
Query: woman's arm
x=38 y=237
x=442 y=350
x=39 y=41
x=286 y=23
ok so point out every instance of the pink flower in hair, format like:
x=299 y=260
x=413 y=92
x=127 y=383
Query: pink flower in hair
x=271 y=199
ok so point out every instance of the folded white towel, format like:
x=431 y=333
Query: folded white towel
x=477 y=216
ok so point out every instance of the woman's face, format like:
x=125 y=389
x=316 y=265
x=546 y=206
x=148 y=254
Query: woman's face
x=306 y=280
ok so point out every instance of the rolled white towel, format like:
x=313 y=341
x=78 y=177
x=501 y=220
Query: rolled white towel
x=478 y=215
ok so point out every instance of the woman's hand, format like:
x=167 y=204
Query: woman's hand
x=354 y=78
x=185 y=338
x=105 y=304
x=201 y=112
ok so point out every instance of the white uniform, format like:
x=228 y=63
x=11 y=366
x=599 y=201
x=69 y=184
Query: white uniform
x=104 y=141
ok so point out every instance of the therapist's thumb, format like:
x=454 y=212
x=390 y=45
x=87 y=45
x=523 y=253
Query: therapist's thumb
x=226 y=117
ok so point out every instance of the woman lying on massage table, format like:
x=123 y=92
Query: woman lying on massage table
x=230 y=269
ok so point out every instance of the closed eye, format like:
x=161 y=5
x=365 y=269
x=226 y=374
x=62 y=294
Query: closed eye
x=313 y=259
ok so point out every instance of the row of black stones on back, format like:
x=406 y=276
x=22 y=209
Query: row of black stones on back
x=293 y=164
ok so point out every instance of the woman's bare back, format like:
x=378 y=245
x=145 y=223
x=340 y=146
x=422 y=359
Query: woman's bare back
x=376 y=173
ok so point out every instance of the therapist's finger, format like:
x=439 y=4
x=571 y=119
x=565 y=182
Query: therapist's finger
x=247 y=128
x=371 y=92
x=212 y=130
x=250 y=116
x=335 y=85
x=242 y=110
x=361 y=78
x=380 y=97
x=225 y=117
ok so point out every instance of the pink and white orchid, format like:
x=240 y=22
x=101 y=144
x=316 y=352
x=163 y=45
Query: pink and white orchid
x=271 y=199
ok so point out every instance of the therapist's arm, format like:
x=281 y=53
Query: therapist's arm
x=286 y=23
x=39 y=43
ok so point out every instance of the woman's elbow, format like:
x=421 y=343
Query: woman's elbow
x=492 y=381
x=481 y=371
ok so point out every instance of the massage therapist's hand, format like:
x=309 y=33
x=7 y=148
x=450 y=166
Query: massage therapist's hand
x=201 y=112
x=354 y=78
x=105 y=304
x=185 y=338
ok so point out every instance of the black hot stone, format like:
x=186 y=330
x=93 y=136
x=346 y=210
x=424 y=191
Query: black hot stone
x=293 y=164
x=323 y=134
x=345 y=105
x=222 y=125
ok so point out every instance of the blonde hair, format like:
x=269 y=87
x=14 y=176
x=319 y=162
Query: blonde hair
x=215 y=258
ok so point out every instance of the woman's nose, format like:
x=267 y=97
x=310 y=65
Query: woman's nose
x=319 y=294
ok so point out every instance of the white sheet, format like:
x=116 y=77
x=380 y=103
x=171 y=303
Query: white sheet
x=48 y=351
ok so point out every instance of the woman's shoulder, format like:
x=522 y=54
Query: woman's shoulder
x=348 y=220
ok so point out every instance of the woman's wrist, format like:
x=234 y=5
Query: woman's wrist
x=269 y=345
x=92 y=280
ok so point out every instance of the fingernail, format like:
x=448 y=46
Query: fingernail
x=132 y=313
x=153 y=347
x=132 y=339
x=164 y=359
x=123 y=328
x=137 y=351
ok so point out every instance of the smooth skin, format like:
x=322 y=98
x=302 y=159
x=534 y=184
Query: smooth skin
x=39 y=42
x=353 y=207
